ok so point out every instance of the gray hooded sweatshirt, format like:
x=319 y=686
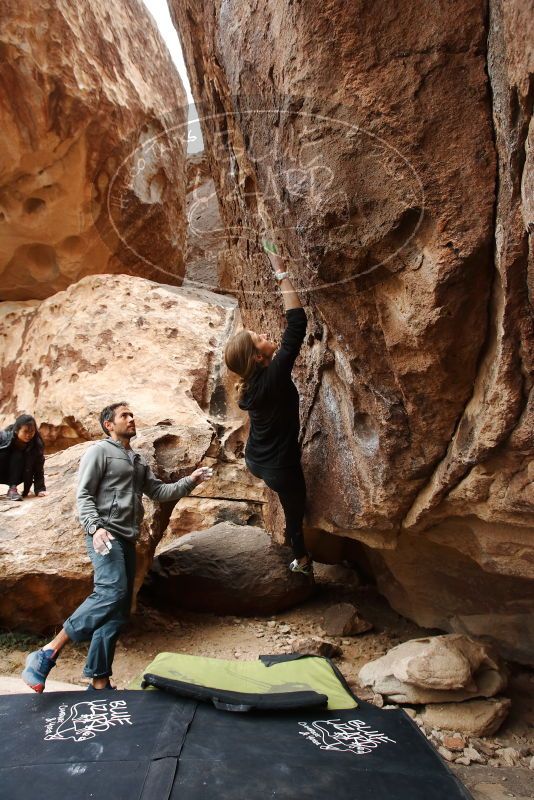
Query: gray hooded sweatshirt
x=111 y=483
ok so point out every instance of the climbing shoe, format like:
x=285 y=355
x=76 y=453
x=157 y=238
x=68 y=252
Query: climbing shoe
x=305 y=569
x=13 y=493
x=38 y=665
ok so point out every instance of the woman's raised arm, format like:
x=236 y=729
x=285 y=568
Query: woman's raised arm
x=289 y=296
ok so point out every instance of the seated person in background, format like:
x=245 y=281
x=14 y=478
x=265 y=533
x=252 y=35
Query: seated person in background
x=22 y=458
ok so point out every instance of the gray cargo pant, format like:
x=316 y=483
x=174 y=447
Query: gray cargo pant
x=101 y=616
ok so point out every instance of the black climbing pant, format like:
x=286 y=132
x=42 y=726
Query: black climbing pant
x=12 y=466
x=290 y=486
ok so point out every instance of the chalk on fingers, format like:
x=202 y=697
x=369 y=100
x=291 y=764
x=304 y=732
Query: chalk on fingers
x=269 y=247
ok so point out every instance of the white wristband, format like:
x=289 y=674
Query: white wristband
x=280 y=276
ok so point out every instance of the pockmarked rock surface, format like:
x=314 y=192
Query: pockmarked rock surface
x=440 y=669
x=391 y=157
x=227 y=569
x=110 y=338
x=93 y=117
x=473 y=717
x=45 y=571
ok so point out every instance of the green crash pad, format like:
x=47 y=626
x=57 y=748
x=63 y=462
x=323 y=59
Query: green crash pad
x=289 y=674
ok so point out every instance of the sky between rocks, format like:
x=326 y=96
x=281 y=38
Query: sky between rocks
x=160 y=12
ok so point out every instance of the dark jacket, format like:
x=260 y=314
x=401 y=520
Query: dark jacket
x=33 y=460
x=272 y=401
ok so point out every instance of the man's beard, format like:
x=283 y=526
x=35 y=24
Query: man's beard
x=130 y=434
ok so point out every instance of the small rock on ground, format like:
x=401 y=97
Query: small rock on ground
x=342 y=619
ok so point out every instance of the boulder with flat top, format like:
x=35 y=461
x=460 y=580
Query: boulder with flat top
x=391 y=155
x=227 y=569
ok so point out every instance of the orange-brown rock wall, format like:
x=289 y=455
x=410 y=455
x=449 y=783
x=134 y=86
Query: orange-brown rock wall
x=205 y=231
x=92 y=161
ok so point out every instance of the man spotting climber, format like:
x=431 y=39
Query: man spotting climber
x=111 y=481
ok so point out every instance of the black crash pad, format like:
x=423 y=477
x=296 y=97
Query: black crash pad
x=131 y=745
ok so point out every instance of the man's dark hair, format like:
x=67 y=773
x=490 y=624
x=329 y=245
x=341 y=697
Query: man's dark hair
x=108 y=414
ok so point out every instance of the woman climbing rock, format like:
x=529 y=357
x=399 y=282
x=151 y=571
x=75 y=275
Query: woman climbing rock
x=268 y=393
x=22 y=458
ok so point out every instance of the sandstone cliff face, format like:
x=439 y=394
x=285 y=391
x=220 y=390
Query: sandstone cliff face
x=115 y=337
x=390 y=151
x=92 y=164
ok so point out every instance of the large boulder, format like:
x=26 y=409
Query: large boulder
x=113 y=337
x=391 y=154
x=160 y=348
x=93 y=160
x=227 y=569
x=45 y=571
x=440 y=669
x=386 y=372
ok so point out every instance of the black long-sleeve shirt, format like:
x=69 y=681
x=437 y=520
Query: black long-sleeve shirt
x=272 y=401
